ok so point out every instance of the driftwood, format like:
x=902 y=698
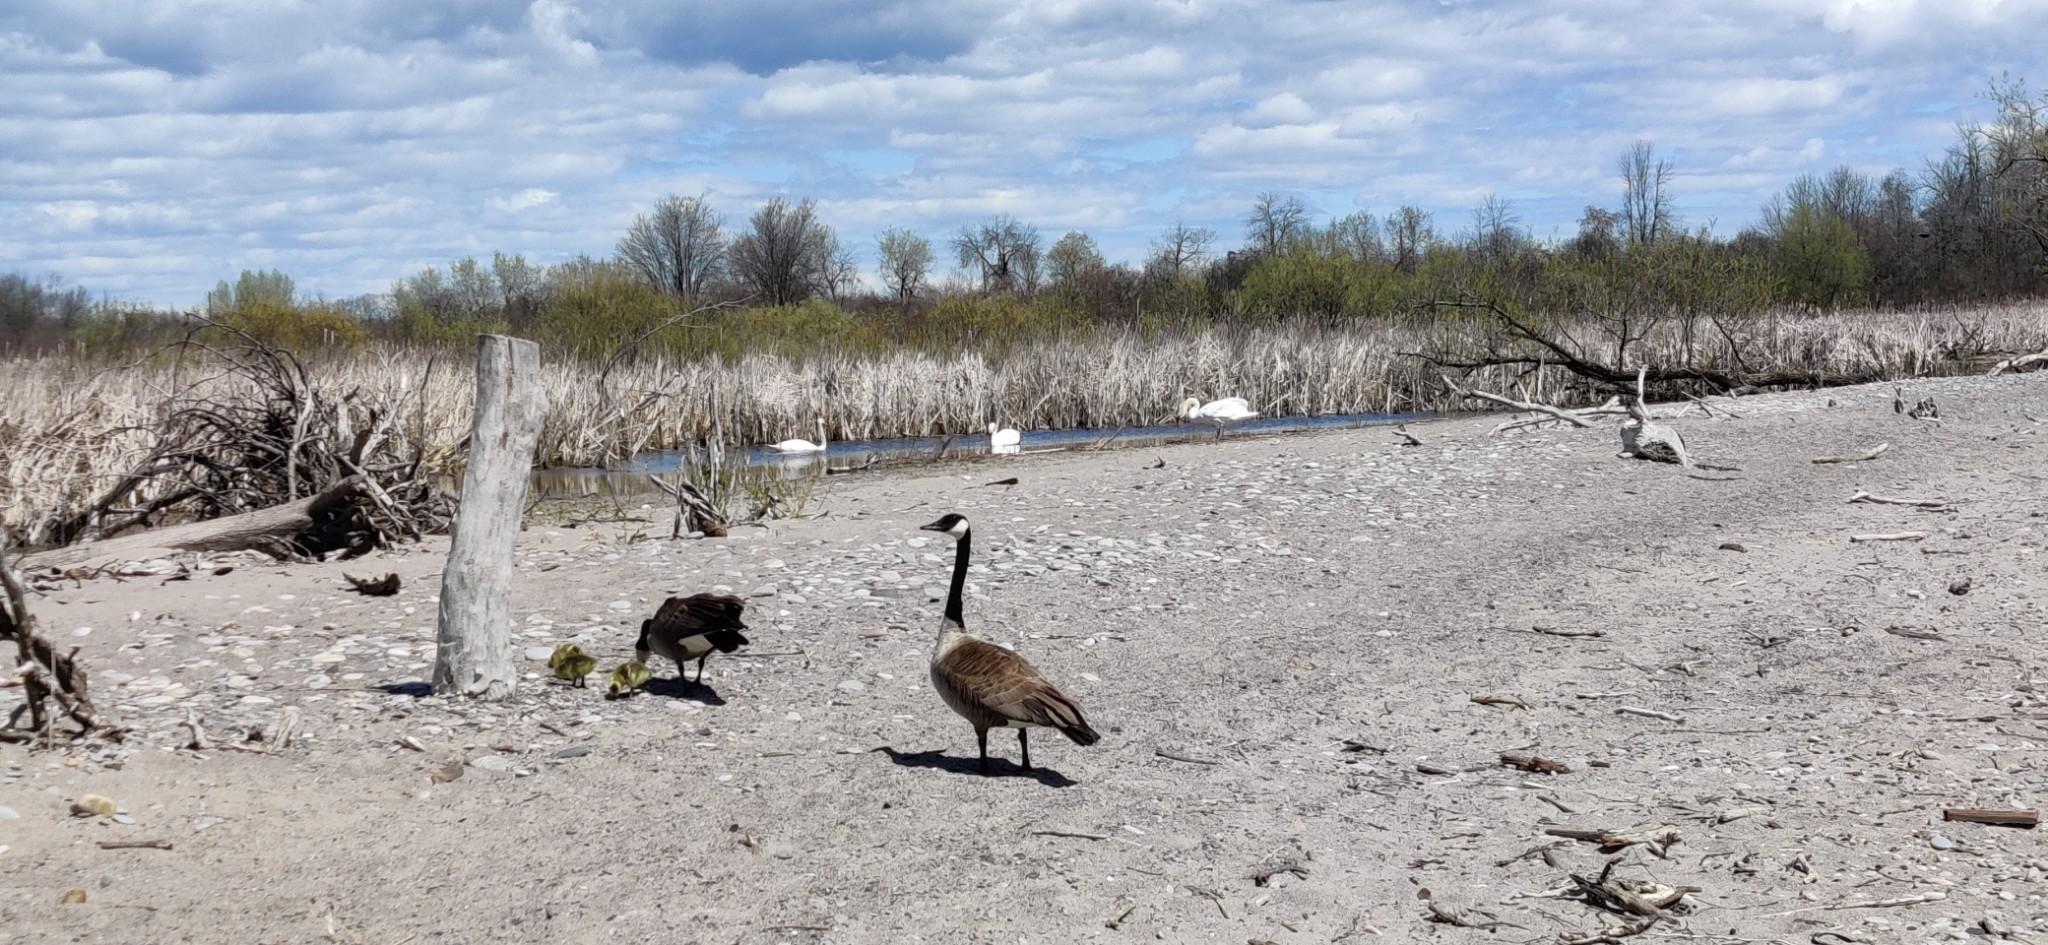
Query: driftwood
x=1553 y=353
x=1535 y=763
x=47 y=675
x=1889 y=536
x=1873 y=453
x=1644 y=438
x=2001 y=818
x=275 y=531
x=473 y=651
x=2017 y=364
x=1862 y=496
x=694 y=513
x=1554 y=413
x=1657 y=838
x=385 y=586
x=279 y=436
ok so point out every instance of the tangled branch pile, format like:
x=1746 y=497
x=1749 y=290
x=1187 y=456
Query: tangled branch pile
x=259 y=431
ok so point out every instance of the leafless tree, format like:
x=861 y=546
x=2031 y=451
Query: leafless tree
x=1645 y=205
x=1180 y=247
x=680 y=247
x=785 y=253
x=1275 y=222
x=904 y=260
x=1496 y=228
x=1409 y=234
x=1002 y=251
x=1598 y=236
x=2018 y=148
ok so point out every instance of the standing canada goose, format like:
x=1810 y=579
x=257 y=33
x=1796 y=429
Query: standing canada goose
x=1003 y=440
x=1217 y=412
x=989 y=686
x=803 y=446
x=689 y=628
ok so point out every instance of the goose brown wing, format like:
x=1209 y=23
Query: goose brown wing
x=681 y=617
x=992 y=686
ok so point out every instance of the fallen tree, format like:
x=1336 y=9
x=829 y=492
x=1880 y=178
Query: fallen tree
x=262 y=436
x=1522 y=333
x=301 y=528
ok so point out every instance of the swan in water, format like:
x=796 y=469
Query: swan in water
x=1003 y=440
x=1217 y=412
x=803 y=446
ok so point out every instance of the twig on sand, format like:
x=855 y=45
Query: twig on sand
x=1076 y=834
x=1872 y=453
x=1889 y=536
x=1176 y=756
x=135 y=844
x=1862 y=496
x=1648 y=713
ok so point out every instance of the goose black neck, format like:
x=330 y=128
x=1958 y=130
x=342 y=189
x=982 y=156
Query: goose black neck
x=960 y=550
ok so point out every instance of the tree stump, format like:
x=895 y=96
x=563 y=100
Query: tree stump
x=473 y=655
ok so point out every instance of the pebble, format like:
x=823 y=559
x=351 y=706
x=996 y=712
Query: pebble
x=853 y=685
x=1940 y=842
x=8 y=813
x=539 y=652
x=496 y=763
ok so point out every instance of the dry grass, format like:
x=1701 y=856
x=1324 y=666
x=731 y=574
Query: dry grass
x=68 y=430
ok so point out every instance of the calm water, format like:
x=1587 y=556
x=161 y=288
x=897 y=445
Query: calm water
x=630 y=477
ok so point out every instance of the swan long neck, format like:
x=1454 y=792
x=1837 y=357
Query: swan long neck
x=960 y=552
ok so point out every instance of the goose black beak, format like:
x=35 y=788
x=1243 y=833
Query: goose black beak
x=933 y=527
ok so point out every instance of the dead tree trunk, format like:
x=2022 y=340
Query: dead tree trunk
x=274 y=531
x=474 y=652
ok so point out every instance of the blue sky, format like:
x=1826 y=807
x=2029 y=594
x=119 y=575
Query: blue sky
x=149 y=148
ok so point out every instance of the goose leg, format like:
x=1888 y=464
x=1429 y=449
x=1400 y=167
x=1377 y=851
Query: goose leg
x=700 y=668
x=981 y=735
x=1024 y=745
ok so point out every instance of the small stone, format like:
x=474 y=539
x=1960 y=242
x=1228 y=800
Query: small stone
x=573 y=751
x=539 y=652
x=496 y=763
x=1940 y=842
x=329 y=658
x=8 y=813
x=765 y=590
x=853 y=685
x=124 y=820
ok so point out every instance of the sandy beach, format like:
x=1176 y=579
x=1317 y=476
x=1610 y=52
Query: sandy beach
x=1306 y=655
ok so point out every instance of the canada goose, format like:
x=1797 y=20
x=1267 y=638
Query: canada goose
x=1217 y=412
x=803 y=446
x=689 y=628
x=1003 y=440
x=569 y=662
x=989 y=686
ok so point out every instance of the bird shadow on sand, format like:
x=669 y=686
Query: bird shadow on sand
x=678 y=689
x=997 y=767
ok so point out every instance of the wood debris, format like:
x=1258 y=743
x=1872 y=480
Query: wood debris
x=1658 y=839
x=385 y=586
x=1535 y=763
x=1870 y=454
x=1263 y=877
x=1500 y=700
x=2001 y=818
x=1865 y=497
x=1889 y=536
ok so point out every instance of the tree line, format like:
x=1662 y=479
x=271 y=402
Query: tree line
x=1971 y=225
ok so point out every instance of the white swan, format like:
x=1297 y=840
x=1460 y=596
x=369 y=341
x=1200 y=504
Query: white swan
x=1217 y=412
x=803 y=446
x=1003 y=440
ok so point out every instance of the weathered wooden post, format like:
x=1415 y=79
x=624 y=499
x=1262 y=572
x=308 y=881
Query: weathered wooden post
x=474 y=652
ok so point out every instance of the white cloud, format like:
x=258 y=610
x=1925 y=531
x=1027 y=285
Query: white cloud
x=150 y=145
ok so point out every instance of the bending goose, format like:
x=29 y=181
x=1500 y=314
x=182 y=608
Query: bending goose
x=1003 y=440
x=989 y=686
x=689 y=628
x=803 y=446
x=1217 y=412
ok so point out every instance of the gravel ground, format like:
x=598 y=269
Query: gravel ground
x=1282 y=641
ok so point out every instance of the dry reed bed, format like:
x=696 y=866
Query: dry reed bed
x=68 y=430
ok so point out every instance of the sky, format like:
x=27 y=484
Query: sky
x=150 y=148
